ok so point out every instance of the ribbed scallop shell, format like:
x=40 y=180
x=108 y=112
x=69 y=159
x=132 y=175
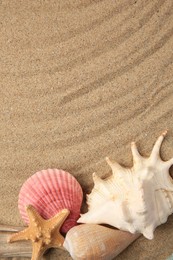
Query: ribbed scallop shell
x=93 y=242
x=50 y=191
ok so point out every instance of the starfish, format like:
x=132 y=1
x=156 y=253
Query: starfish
x=44 y=234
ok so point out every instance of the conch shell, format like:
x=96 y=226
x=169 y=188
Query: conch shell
x=136 y=199
x=93 y=242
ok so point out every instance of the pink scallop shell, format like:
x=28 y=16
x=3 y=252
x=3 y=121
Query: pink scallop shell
x=50 y=191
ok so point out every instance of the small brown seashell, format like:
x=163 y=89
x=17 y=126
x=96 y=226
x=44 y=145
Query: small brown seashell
x=93 y=242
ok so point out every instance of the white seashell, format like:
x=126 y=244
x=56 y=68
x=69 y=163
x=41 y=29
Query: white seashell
x=136 y=199
x=93 y=242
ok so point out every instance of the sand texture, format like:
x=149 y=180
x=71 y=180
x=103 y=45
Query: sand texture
x=80 y=80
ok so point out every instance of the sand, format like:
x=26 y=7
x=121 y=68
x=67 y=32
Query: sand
x=79 y=81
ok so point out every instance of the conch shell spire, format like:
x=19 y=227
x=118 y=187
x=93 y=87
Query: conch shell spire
x=115 y=165
x=135 y=199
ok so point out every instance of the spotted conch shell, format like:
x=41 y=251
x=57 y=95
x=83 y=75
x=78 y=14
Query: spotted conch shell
x=136 y=199
x=93 y=242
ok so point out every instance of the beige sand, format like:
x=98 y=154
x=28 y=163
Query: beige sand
x=80 y=80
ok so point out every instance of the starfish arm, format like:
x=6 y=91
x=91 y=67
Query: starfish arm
x=156 y=149
x=33 y=215
x=22 y=235
x=57 y=240
x=57 y=221
x=38 y=250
